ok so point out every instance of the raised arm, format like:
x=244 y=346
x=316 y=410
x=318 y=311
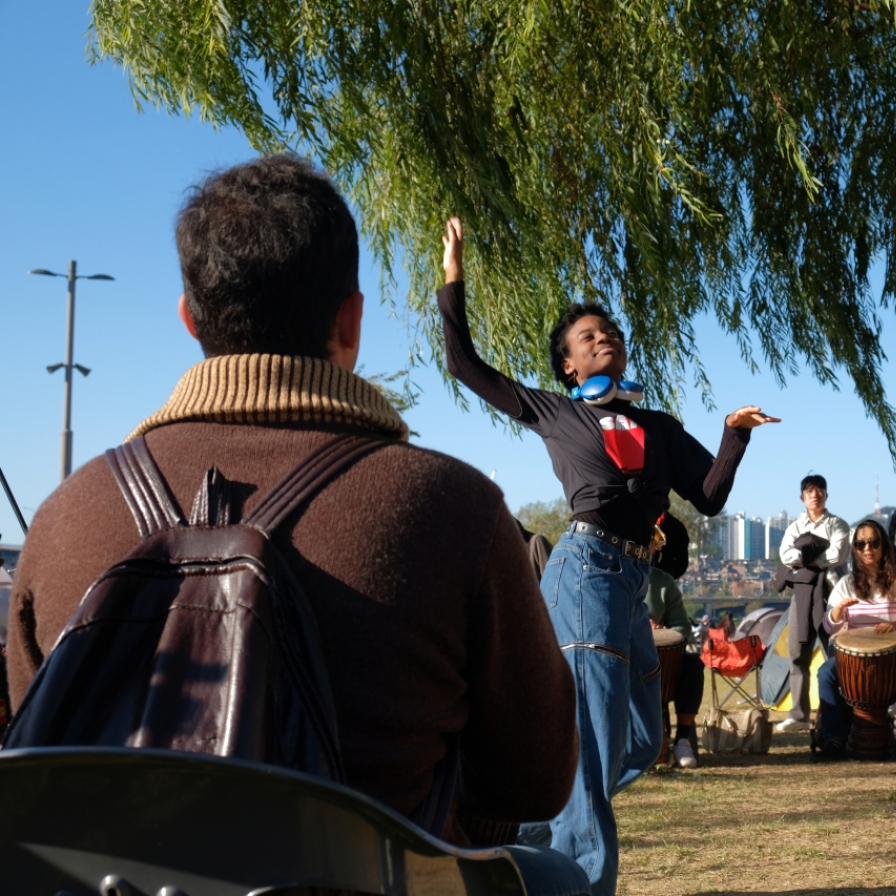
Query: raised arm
x=463 y=361
x=710 y=492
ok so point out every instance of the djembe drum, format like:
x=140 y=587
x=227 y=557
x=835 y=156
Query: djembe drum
x=866 y=667
x=670 y=646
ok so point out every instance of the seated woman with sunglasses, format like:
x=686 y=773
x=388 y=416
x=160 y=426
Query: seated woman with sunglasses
x=865 y=599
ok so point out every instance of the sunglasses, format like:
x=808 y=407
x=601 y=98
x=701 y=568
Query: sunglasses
x=873 y=543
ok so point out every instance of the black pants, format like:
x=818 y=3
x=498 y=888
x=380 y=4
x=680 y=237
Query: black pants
x=689 y=693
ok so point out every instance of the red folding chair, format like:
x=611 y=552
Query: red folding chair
x=732 y=661
x=745 y=730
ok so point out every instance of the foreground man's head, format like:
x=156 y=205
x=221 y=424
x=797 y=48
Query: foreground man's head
x=269 y=257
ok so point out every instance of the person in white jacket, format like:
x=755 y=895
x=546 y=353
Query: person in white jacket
x=815 y=521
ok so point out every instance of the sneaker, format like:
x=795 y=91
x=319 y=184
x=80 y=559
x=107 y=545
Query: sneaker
x=832 y=751
x=790 y=725
x=684 y=754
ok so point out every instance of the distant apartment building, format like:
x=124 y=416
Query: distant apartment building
x=741 y=537
x=738 y=537
x=754 y=539
x=774 y=532
x=722 y=535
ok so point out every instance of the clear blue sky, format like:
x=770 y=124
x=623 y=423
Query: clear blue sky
x=85 y=176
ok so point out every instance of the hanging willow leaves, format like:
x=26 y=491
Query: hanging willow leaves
x=666 y=159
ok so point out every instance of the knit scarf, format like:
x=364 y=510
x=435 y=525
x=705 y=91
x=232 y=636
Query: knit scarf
x=259 y=389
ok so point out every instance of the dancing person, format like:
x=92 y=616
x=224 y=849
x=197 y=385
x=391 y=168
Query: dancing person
x=827 y=538
x=864 y=599
x=616 y=463
x=431 y=622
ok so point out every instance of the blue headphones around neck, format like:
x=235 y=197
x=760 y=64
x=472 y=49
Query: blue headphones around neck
x=602 y=389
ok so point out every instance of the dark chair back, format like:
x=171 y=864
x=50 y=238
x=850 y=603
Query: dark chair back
x=126 y=822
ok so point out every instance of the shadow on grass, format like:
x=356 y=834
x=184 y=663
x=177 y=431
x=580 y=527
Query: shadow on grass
x=786 y=749
x=790 y=757
x=753 y=760
x=820 y=891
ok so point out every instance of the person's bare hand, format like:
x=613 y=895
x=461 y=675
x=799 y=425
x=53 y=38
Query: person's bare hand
x=749 y=417
x=838 y=611
x=656 y=625
x=884 y=628
x=453 y=259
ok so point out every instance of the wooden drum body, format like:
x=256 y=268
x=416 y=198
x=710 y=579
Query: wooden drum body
x=866 y=667
x=670 y=646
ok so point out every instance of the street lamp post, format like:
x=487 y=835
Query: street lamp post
x=69 y=364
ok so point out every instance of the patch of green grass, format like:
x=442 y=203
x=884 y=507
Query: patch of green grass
x=754 y=824
x=824 y=829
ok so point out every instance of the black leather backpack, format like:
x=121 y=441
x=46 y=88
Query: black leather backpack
x=201 y=639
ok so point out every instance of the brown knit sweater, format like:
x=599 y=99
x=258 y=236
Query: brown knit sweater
x=431 y=618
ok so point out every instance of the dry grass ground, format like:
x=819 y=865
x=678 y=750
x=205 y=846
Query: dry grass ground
x=761 y=824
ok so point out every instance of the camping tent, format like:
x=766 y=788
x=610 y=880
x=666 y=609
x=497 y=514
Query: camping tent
x=774 y=672
x=760 y=622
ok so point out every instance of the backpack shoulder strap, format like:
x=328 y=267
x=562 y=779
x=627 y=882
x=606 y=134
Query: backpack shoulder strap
x=309 y=477
x=144 y=488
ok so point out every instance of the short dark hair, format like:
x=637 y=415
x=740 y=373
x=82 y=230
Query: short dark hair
x=558 y=347
x=814 y=479
x=268 y=252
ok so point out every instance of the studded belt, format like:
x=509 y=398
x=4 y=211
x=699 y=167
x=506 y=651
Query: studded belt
x=629 y=548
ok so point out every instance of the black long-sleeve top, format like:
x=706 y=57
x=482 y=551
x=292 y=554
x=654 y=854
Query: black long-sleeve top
x=612 y=475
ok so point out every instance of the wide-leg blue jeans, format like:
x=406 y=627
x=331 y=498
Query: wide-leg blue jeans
x=595 y=596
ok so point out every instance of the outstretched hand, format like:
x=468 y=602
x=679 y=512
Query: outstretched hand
x=453 y=260
x=749 y=417
x=838 y=612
